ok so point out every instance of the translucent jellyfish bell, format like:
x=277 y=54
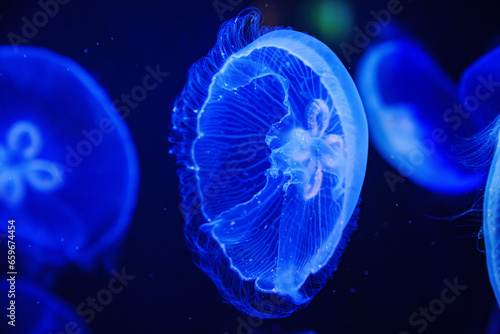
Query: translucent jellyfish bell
x=272 y=140
x=418 y=116
x=68 y=167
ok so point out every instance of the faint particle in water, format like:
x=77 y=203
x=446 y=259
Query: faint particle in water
x=68 y=167
x=272 y=160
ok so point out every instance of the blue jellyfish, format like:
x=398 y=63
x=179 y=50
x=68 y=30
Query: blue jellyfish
x=491 y=219
x=29 y=309
x=418 y=116
x=272 y=141
x=68 y=167
x=487 y=68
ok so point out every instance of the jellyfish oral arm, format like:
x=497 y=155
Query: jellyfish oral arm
x=305 y=159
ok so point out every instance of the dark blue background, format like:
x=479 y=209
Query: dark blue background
x=407 y=254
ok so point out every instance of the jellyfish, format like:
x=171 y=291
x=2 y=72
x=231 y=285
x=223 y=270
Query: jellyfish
x=271 y=138
x=419 y=117
x=35 y=310
x=68 y=166
x=487 y=69
x=491 y=219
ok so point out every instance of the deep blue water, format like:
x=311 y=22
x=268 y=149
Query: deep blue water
x=398 y=261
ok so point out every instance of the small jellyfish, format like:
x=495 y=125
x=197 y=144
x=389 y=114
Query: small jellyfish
x=272 y=141
x=418 y=116
x=37 y=311
x=68 y=167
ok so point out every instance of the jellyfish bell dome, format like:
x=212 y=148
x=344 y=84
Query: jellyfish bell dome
x=68 y=166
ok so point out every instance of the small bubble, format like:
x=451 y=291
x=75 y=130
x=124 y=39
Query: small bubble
x=366 y=272
x=353 y=290
x=86 y=50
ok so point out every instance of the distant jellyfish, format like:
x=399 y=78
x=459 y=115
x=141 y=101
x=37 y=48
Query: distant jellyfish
x=37 y=311
x=418 y=116
x=272 y=141
x=68 y=167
